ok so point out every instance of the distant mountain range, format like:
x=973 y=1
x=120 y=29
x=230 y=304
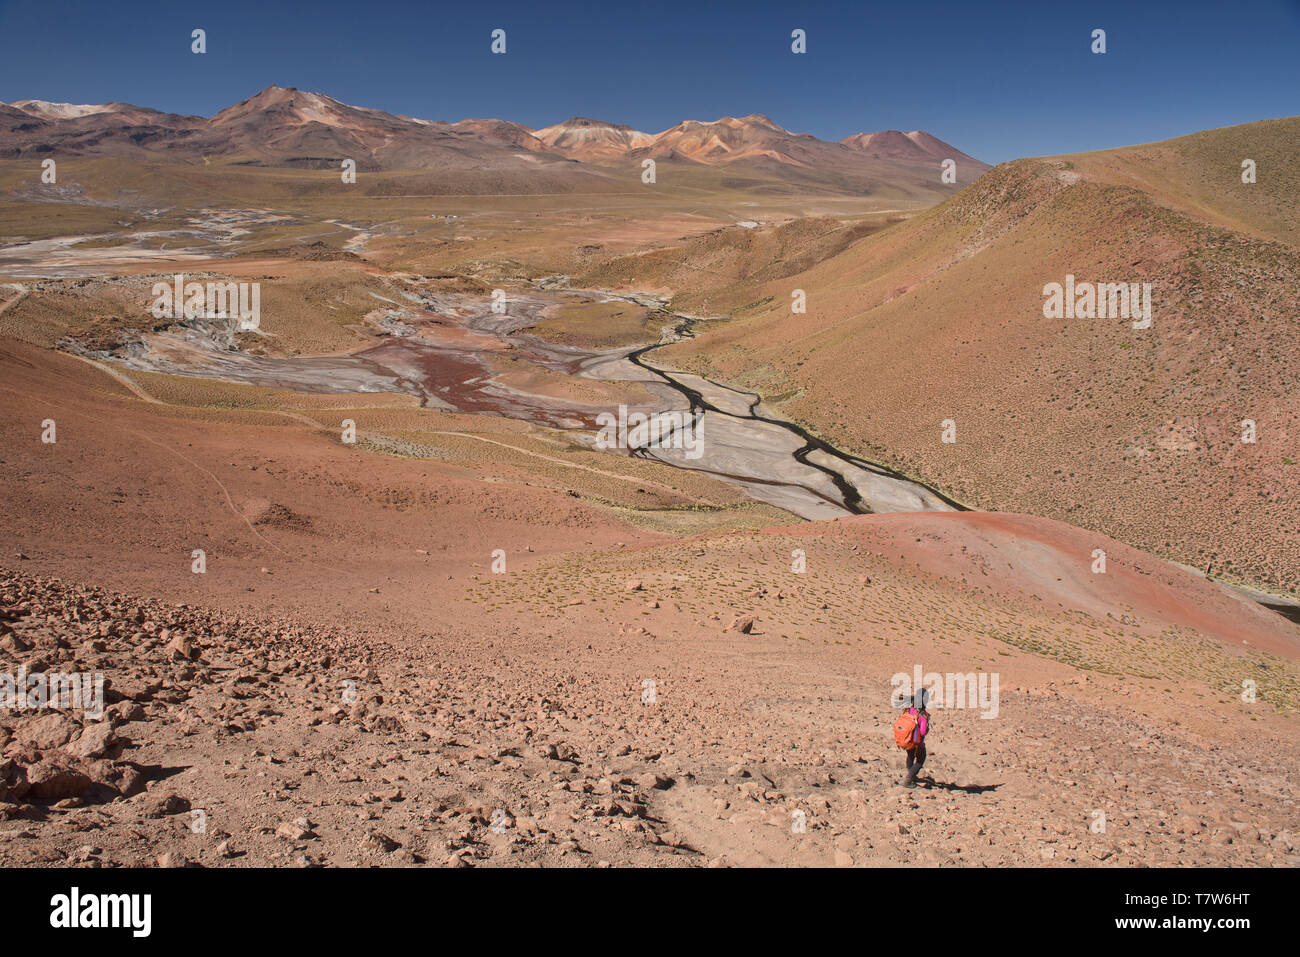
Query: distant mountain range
x=289 y=127
x=732 y=139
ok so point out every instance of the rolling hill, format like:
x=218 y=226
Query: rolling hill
x=1133 y=432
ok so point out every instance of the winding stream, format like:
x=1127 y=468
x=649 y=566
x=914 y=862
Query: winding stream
x=842 y=470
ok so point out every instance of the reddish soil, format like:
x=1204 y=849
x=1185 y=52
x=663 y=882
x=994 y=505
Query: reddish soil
x=503 y=719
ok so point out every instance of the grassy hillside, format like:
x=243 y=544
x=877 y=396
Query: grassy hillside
x=1132 y=432
x=1201 y=175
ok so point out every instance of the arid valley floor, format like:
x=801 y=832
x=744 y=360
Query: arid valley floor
x=470 y=637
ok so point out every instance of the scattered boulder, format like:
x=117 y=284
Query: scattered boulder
x=744 y=624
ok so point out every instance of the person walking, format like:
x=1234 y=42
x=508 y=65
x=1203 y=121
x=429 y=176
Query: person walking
x=909 y=734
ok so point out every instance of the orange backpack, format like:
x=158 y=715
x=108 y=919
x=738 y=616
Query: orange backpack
x=905 y=731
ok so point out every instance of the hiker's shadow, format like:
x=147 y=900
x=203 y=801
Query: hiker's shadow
x=967 y=788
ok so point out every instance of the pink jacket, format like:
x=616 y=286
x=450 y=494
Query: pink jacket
x=922 y=725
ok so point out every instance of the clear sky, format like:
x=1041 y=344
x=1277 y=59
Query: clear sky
x=997 y=80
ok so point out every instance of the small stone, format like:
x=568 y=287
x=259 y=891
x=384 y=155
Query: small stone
x=11 y=643
x=298 y=829
x=163 y=805
x=376 y=841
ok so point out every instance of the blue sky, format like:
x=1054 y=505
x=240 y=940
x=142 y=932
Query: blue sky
x=998 y=80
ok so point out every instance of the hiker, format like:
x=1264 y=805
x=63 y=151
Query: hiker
x=909 y=734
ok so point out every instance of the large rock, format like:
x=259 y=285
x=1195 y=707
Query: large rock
x=56 y=777
x=29 y=775
x=180 y=648
x=742 y=623
x=117 y=778
x=52 y=730
x=97 y=740
x=13 y=781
